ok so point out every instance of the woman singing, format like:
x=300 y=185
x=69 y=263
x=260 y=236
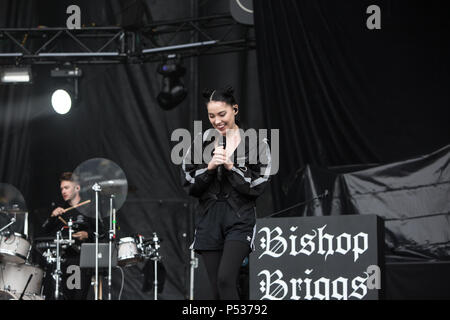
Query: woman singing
x=227 y=187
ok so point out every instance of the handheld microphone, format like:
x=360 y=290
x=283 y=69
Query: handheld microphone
x=223 y=143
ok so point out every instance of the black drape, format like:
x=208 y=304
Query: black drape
x=343 y=94
x=118 y=118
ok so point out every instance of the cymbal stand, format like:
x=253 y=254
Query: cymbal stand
x=96 y=187
x=112 y=236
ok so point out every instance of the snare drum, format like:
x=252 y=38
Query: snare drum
x=14 y=248
x=14 y=278
x=128 y=253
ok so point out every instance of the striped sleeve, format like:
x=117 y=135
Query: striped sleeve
x=251 y=179
x=196 y=177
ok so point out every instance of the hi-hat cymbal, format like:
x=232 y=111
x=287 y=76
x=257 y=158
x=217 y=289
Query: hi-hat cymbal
x=11 y=200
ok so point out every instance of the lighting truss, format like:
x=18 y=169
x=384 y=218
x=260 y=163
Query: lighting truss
x=114 y=45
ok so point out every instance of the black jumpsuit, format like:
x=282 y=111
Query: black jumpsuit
x=227 y=207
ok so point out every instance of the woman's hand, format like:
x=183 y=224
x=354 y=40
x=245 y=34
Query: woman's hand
x=218 y=158
x=228 y=165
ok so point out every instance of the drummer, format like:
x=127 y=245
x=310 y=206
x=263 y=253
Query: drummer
x=83 y=227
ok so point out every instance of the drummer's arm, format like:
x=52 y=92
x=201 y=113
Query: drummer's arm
x=81 y=235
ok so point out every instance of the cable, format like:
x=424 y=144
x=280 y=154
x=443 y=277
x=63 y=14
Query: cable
x=321 y=196
x=123 y=280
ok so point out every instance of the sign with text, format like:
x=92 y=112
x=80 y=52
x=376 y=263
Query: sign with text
x=310 y=258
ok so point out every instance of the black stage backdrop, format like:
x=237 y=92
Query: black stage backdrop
x=343 y=97
x=343 y=94
x=118 y=118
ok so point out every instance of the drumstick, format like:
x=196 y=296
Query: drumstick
x=78 y=205
x=64 y=221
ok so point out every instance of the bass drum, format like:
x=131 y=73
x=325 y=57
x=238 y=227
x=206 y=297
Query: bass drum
x=6 y=295
x=14 y=278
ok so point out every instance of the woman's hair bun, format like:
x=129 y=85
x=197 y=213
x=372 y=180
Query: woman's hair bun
x=225 y=94
x=229 y=90
x=207 y=93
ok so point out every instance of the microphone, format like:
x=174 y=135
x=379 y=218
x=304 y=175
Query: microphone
x=223 y=143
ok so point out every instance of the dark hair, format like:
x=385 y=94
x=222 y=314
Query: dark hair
x=222 y=95
x=68 y=176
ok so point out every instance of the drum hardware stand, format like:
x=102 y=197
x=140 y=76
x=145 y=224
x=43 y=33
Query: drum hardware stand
x=194 y=265
x=156 y=258
x=59 y=241
x=12 y=221
x=25 y=226
x=112 y=236
x=153 y=254
x=26 y=286
x=70 y=224
x=57 y=273
x=96 y=187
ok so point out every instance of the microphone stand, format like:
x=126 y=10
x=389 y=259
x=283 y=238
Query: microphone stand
x=194 y=265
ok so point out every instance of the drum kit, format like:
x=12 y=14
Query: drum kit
x=19 y=278
x=22 y=280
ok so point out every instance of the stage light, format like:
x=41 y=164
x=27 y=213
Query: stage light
x=173 y=91
x=15 y=75
x=61 y=101
x=66 y=94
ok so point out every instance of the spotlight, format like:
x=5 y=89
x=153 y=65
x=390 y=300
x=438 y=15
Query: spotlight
x=61 y=101
x=15 y=75
x=67 y=94
x=173 y=91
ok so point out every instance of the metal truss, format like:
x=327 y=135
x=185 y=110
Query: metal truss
x=111 y=45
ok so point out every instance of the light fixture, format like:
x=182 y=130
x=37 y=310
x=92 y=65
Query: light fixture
x=61 y=101
x=173 y=91
x=15 y=75
x=65 y=94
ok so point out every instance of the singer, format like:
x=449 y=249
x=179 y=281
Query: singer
x=227 y=188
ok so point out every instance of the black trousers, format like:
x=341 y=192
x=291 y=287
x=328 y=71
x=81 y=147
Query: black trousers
x=223 y=268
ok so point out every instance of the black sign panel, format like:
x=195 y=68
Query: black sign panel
x=310 y=258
